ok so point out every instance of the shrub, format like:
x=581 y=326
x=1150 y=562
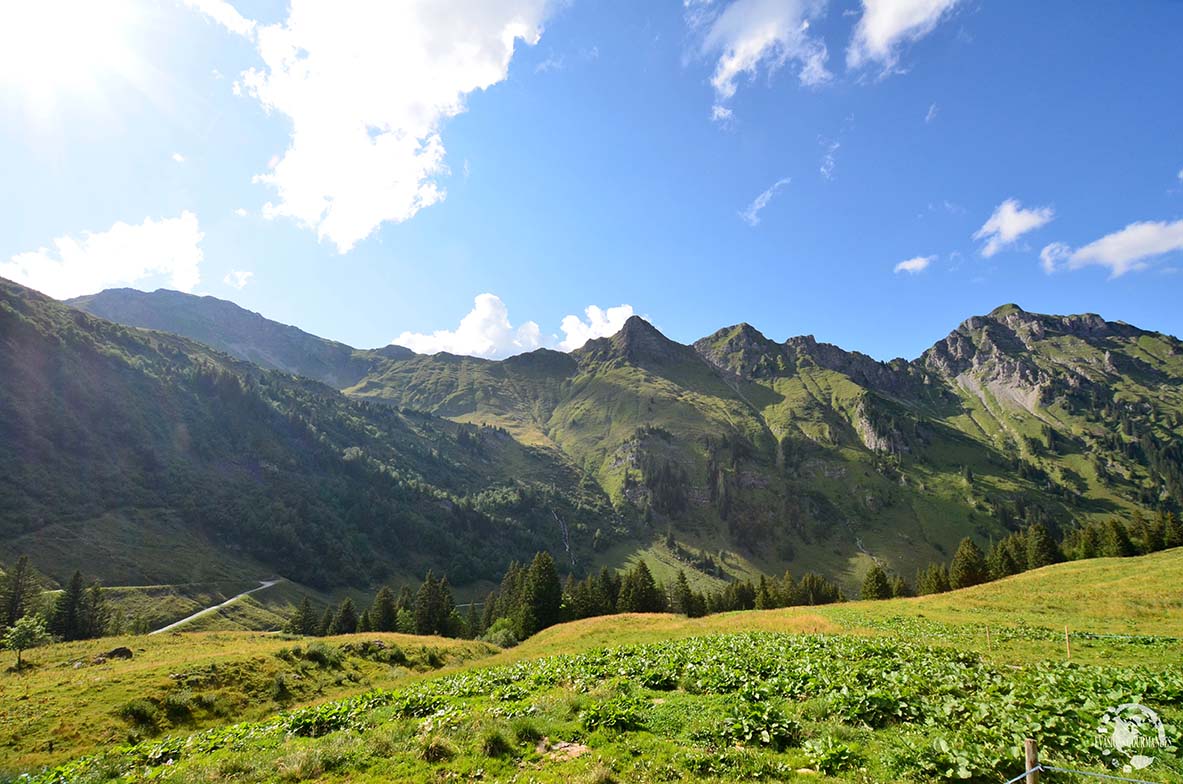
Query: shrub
x=436 y=749
x=495 y=744
x=141 y=712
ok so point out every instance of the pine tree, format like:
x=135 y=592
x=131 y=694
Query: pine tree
x=427 y=606
x=304 y=620
x=472 y=623
x=969 y=565
x=1041 y=548
x=65 y=620
x=681 y=598
x=875 y=584
x=1089 y=542
x=1172 y=531
x=17 y=592
x=489 y=611
x=384 y=612
x=345 y=621
x=638 y=591
x=363 y=622
x=542 y=597
x=326 y=623
x=932 y=579
x=1116 y=541
x=899 y=587
x=764 y=600
x=96 y=616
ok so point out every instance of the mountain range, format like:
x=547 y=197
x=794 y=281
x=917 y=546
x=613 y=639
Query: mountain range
x=167 y=437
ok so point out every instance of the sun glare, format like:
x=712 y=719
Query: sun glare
x=51 y=48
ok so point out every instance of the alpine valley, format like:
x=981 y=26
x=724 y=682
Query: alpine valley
x=164 y=438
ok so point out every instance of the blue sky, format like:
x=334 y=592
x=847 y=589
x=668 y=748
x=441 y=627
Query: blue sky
x=871 y=173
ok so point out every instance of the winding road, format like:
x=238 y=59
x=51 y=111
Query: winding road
x=263 y=584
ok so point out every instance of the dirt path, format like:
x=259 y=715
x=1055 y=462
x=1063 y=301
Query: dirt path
x=263 y=584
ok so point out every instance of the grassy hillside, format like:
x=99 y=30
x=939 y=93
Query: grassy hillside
x=904 y=689
x=71 y=703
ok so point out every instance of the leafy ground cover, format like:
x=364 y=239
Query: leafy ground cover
x=734 y=707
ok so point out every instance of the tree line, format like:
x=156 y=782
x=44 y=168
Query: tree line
x=530 y=598
x=1031 y=548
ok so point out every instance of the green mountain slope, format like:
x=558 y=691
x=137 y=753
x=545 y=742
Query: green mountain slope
x=142 y=457
x=740 y=454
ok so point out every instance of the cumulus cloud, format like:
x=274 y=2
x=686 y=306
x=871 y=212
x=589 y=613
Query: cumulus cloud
x=224 y=14
x=600 y=323
x=177 y=157
x=1009 y=222
x=1127 y=250
x=753 y=36
x=241 y=212
x=914 y=265
x=886 y=25
x=238 y=279
x=486 y=331
x=168 y=249
x=367 y=85
x=751 y=214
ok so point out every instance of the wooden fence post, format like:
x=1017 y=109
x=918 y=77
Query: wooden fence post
x=1067 y=642
x=1032 y=752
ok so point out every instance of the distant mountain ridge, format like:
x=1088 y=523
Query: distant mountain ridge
x=739 y=454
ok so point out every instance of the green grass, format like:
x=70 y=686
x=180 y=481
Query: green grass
x=66 y=704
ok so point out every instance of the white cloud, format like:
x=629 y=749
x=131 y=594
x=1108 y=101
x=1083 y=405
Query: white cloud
x=486 y=331
x=933 y=110
x=600 y=323
x=914 y=265
x=123 y=255
x=886 y=24
x=224 y=14
x=753 y=35
x=176 y=156
x=1009 y=222
x=242 y=212
x=238 y=278
x=367 y=85
x=1180 y=175
x=1127 y=250
x=829 y=157
x=751 y=214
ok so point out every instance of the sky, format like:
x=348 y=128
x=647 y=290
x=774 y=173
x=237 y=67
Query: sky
x=491 y=177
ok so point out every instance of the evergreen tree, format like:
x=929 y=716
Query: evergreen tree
x=1115 y=541
x=542 y=597
x=638 y=591
x=764 y=600
x=363 y=622
x=969 y=565
x=17 y=592
x=489 y=611
x=427 y=606
x=932 y=579
x=384 y=612
x=326 y=623
x=345 y=621
x=66 y=619
x=999 y=562
x=875 y=584
x=304 y=620
x=1172 y=531
x=681 y=598
x=1089 y=543
x=899 y=587
x=96 y=616
x=472 y=623
x=815 y=589
x=1041 y=548
x=406 y=622
x=406 y=599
